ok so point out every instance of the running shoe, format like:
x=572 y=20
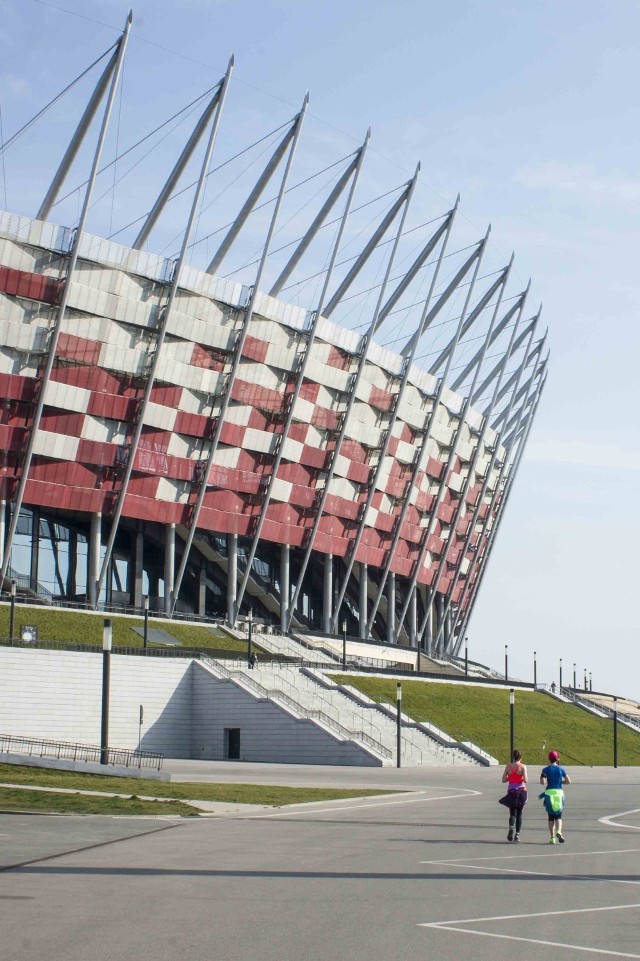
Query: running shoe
x=552 y=840
x=510 y=835
x=517 y=837
x=560 y=838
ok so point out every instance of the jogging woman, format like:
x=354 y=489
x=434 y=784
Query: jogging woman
x=553 y=776
x=515 y=775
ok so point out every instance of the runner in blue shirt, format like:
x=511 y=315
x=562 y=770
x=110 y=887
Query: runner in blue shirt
x=553 y=776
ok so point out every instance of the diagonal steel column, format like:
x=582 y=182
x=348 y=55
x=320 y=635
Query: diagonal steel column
x=513 y=310
x=494 y=504
x=512 y=379
x=444 y=297
x=416 y=266
x=410 y=348
x=80 y=133
x=55 y=333
x=254 y=196
x=453 y=453
x=318 y=221
x=443 y=231
x=484 y=386
x=300 y=374
x=362 y=355
x=487 y=477
x=494 y=530
x=161 y=334
x=237 y=355
x=535 y=351
x=367 y=250
x=178 y=169
x=471 y=319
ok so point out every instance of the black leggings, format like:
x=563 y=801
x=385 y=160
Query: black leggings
x=515 y=820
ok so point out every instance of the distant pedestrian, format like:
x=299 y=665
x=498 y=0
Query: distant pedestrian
x=515 y=775
x=253 y=660
x=553 y=776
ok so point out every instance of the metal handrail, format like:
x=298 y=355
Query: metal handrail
x=275 y=694
x=572 y=695
x=42 y=747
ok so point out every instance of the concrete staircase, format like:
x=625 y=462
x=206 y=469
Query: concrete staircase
x=348 y=714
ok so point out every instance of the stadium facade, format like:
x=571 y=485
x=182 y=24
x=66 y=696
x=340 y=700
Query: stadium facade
x=169 y=433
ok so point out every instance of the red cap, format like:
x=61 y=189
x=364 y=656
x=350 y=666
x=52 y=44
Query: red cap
x=554 y=756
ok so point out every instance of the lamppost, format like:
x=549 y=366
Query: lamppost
x=398 y=723
x=12 y=612
x=535 y=670
x=574 y=676
x=250 y=637
x=106 y=674
x=512 y=702
x=585 y=678
x=466 y=657
x=344 y=644
x=506 y=662
x=146 y=621
x=615 y=732
x=560 y=688
x=590 y=682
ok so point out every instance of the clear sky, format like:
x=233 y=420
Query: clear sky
x=528 y=110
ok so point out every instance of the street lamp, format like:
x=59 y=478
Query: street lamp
x=535 y=670
x=146 y=621
x=398 y=722
x=250 y=637
x=512 y=702
x=615 y=732
x=585 y=678
x=466 y=657
x=12 y=612
x=574 y=676
x=344 y=643
x=590 y=682
x=106 y=674
x=506 y=662
x=560 y=688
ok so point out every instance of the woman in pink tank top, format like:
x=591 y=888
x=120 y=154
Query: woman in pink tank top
x=515 y=775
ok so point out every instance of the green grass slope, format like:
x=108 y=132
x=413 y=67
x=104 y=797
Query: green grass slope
x=82 y=627
x=481 y=714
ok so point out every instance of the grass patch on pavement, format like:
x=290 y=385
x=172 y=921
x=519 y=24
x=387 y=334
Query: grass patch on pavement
x=39 y=802
x=271 y=794
x=481 y=714
x=83 y=627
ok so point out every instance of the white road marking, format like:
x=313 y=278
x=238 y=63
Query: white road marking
x=612 y=817
x=450 y=926
x=522 y=857
x=546 y=874
x=374 y=803
x=552 y=944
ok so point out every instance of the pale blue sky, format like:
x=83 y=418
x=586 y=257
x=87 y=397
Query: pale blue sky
x=526 y=109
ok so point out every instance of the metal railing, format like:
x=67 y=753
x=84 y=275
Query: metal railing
x=592 y=705
x=277 y=695
x=69 y=750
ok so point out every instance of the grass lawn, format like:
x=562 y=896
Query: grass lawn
x=481 y=715
x=38 y=802
x=179 y=790
x=83 y=627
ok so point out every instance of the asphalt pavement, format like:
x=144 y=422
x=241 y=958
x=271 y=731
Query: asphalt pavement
x=425 y=874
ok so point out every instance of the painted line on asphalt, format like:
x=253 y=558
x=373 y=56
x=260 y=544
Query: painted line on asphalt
x=522 y=857
x=452 y=926
x=609 y=821
x=373 y=803
x=545 y=874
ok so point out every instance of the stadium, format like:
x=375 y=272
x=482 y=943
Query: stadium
x=176 y=438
